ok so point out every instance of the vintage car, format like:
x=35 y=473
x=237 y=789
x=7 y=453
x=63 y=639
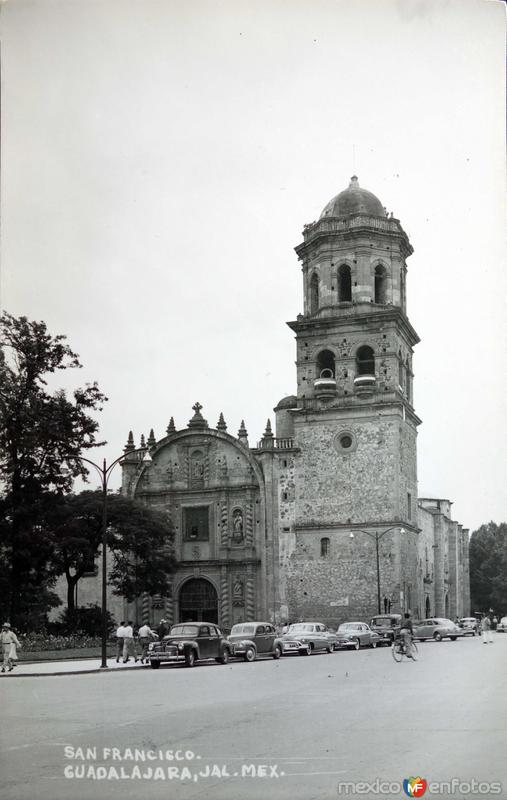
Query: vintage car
x=436 y=628
x=306 y=637
x=251 y=639
x=387 y=626
x=502 y=625
x=469 y=626
x=360 y=634
x=190 y=642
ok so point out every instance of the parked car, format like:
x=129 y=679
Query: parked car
x=436 y=628
x=190 y=642
x=251 y=639
x=387 y=626
x=359 y=633
x=306 y=637
x=502 y=625
x=469 y=626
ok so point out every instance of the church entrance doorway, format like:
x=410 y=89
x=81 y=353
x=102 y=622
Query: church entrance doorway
x=198 y=601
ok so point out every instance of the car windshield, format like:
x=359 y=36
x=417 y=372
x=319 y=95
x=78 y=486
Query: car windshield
x=349 y=626
x=300 y=626
x=383 y=621
x=243 y=630
x=504 y=620
x=442 y=621
x=184 y=630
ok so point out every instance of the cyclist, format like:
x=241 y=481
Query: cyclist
x=406 y=634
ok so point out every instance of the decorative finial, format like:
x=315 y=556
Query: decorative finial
x=151 y=439
x=143 y=442
x=242 y=430
x=171 y=427
x=221 y=425
x=354 y=183
x=268 y=433
x=130 y=443
x=197 y=420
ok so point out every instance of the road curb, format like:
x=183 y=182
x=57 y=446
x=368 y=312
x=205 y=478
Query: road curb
x=108 y=670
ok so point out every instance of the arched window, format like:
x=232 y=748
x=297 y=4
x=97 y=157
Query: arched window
x=314 y=293
x=325 y=364
x=380 y=284
x=324 y=547
x=344 y=284
x=365 y=361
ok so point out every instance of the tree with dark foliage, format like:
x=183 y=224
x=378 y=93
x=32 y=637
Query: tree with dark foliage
x=488 y=568
x=139 y=539
x=39 y=430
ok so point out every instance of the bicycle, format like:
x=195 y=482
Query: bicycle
x=399 y=650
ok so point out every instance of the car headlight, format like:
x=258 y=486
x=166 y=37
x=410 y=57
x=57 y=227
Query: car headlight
x=180 y=646
x=150 y=646
x=304 y=640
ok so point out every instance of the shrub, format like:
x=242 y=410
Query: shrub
x=32 y=642
x=86 y=620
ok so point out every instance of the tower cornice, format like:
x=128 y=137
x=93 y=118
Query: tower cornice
x=370 y=318
x=332 y=228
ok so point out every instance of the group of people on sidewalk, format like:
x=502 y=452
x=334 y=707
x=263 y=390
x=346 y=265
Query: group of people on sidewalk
x=126 y=642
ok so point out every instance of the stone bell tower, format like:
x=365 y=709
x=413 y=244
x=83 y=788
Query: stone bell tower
x=353 y=419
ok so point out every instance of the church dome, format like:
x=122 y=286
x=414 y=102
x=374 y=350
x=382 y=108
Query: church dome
x=354 y=200
x=290 y=401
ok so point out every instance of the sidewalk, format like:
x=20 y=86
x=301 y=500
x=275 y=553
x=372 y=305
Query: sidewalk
x=23 y=670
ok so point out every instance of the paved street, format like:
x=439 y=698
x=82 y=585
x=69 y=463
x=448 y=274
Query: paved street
x=347 y=716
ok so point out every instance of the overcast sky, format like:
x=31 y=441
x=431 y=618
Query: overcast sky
x=159 y=161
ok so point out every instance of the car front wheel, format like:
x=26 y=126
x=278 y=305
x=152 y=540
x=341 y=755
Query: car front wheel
x=357 y=644
x=190 y=658
x=330 y=648
x=224 y=658
x=437 y=637
x=373 y=644
x=250 y=654
x=277 y=652
x=306 y=651
x=453 y=638
x=155 y=664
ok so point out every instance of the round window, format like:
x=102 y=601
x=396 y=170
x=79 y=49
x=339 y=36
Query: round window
x=345 y=441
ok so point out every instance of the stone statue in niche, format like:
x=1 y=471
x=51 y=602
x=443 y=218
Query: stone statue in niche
x=237 y=526
x=238 y=592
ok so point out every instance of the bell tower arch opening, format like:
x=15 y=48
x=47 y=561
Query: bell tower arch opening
x=314 y=293
x=365 y=361
x=380 y=285
x=344 y=284
x=198 y=601
x=325 y=364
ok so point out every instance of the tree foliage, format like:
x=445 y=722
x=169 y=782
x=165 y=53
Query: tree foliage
x=39 y=430
x=139 y=542
x=488 y=568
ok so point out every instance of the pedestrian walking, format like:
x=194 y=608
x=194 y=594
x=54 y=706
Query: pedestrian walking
x=9 y=644
x=128 y=642
x=486 y=630
x=120 y=634
x=146 y=635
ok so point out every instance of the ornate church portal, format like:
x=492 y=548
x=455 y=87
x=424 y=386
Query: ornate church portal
x=198 y=601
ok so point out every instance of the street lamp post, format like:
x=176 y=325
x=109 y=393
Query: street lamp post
x=377 y=536
x=104 y=472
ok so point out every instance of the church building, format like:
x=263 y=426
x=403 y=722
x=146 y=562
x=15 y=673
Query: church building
x=320 y=520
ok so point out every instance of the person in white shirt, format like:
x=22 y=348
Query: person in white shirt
x=128 y=642
x=146 y=635
x=9 y=643
x=120 y=633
